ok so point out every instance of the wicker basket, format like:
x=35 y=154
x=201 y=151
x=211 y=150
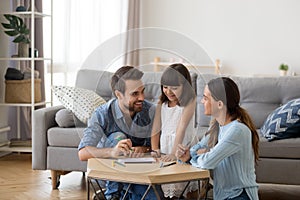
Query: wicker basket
x=19 y=91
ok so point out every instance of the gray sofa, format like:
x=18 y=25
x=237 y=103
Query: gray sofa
x=55 y=148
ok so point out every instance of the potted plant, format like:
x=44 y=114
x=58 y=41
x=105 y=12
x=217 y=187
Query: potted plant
x=17 y=28
x=283 y=68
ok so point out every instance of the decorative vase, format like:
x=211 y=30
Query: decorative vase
x=23 y=49
x=283 y=72
x=21 y=9
x=30 y=8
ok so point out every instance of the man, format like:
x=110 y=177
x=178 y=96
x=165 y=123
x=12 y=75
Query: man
x=122 y=126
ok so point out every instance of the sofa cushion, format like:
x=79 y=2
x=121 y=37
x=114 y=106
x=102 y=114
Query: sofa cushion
x=287 y=148
x=95 y=80
x=283 y=122
x=81 y=102
x=64 y=137
x=257 y=95
x=262 y=95
x=65 y=118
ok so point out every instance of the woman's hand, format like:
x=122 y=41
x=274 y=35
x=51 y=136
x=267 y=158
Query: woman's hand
x=182 y=153
x=202 y=151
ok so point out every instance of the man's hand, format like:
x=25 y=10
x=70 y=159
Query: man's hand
x=136 y=152
x=138 y=149
x=182 y=153
x=123 y=147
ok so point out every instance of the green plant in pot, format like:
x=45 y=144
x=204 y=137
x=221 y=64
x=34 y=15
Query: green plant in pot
x=17 y=28
x=283 y=69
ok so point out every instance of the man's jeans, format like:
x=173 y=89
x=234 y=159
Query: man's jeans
x=112 y=188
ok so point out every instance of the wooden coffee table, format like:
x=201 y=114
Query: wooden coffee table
x=144 y=174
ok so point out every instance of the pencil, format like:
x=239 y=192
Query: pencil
x=172 y=163
x=188 y=144
x=120 y=138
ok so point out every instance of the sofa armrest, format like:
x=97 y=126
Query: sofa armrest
x=44 y=119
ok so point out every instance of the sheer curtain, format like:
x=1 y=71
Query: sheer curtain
x=81 y=26
x=132 y=44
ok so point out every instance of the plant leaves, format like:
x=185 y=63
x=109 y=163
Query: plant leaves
x=7 y=26
x=8 y=17
x=20 y=38
x=27 y=31
x=12 y=33
x=16 y=27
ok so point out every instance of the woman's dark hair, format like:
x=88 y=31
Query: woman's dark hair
x=121 y=75
x=176 y=75
x=225 y=89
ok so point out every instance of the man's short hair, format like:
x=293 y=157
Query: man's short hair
x=123 y=74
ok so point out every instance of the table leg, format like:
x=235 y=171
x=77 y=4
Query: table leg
x=102 y=193
x=206 y=188
x=90 y=183
x=206 y=181
x=199 y=188
x=127 y=189
x=146 y=192
x=181 y=195
x=155 y=191
x=88 y=188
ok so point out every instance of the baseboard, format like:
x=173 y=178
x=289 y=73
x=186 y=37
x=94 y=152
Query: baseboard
x=4 y=153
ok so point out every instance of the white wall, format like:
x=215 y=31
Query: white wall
x=249 y=36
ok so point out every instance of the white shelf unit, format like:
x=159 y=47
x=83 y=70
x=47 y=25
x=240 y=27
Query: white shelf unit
x=32 y=15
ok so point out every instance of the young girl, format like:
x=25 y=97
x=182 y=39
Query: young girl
x=174 y=120
x=230 y=147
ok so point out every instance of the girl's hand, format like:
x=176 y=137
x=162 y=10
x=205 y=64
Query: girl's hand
x=182 y=153
x=168 y=157
x=156 y=153
x=181 y=150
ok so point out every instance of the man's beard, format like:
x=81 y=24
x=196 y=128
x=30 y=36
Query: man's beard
x=133 y=108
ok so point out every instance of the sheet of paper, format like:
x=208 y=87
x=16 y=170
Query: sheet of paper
x=137 y=160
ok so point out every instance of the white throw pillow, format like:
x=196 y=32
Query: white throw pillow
x=81 y=102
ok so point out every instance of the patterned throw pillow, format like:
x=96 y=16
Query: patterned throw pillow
x=284 y=122
x=81 y=102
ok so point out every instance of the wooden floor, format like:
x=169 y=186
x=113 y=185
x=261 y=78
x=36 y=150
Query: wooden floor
x=19 y=182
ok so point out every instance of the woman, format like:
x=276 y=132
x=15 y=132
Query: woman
x=230 y=148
